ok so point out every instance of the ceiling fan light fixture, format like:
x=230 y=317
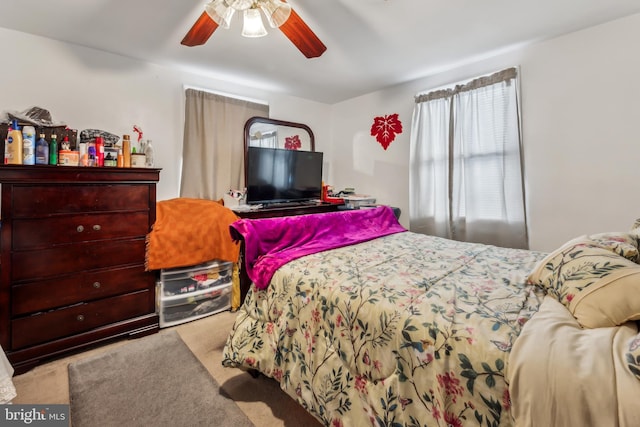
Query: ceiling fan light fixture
x=253 y=26
x=220 y=12
x=276 y=11
x=240 y=4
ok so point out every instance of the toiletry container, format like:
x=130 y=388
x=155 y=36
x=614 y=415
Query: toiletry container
x=28 y=145
x=13 y=145
x=148 y=154
x=42 y=151
x=126 y=150
x=83 y=153
x=53 y=150
x=91 y=153
x=99 y=144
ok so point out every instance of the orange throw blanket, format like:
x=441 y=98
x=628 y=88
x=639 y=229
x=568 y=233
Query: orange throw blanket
x=190 y=231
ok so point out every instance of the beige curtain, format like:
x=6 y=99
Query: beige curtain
x=213 y=149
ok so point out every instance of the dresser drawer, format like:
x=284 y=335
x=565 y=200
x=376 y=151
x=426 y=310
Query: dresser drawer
x=45 y=295
x=43 y=200
x=42 y=232
x=67 y=259
x=78 y=318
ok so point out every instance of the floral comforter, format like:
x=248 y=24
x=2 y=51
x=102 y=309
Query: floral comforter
x=403 y=330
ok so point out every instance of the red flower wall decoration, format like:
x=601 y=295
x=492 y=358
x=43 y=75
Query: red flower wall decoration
x=385 y=129
x=292 y=142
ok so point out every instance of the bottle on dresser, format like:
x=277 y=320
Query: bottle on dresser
x=28 y=145
x=83 y=153
x=13 y=145
x=120 y=158
x=53 y=150
x=99 y=144
x=91 y=153
x=148 y=154
x=42 y=151
x=126 y=150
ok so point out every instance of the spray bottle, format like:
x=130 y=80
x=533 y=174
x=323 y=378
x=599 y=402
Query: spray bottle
x=99 y=144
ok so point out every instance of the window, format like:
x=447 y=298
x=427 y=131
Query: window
x=466 y=179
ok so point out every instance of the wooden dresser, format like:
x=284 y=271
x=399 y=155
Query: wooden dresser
x=72 y=248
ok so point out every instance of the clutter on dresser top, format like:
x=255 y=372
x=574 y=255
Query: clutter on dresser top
x=32 y=137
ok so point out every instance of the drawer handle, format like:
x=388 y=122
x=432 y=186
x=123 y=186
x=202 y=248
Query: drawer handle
x=80 y=229
x=80 y=318
x=96 y=285
x=97 y=227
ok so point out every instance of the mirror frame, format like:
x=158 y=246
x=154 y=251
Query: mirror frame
x=275 y=122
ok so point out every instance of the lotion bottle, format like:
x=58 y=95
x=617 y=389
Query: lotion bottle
x=120 y=158
x=13 y=145
x=28 y=145
x=42 y=151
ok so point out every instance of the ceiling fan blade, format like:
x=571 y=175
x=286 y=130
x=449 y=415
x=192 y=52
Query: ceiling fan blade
x=301 y=35
x=201 y=31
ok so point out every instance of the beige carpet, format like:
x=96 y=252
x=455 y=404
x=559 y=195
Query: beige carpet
x=260 y=399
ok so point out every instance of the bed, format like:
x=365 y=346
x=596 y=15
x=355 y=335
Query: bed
x=365 y=323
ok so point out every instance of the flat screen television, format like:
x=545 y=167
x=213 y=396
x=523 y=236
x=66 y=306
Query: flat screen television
x=283 y=176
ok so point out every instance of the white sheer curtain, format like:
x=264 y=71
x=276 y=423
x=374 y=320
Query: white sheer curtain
x=213 y=150
x=265 y=140
x=428 y=186
x=466 y=180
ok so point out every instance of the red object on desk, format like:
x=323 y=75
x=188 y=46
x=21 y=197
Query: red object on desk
x=334 y=200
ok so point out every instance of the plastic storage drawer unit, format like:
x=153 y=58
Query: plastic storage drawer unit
x=190 y=293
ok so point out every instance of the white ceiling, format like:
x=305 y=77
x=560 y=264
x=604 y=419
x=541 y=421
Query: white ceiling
x=371 y=44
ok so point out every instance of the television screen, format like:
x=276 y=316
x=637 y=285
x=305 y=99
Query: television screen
x=276 y=175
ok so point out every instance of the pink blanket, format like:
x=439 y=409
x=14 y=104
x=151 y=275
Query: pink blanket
x=272 y=242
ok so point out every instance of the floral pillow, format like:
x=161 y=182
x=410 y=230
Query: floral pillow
x=624 y=244
x=596 y=277
x=633 y=356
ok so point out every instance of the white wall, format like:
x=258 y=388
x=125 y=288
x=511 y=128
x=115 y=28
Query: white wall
x=90 y=89
x=580 y=105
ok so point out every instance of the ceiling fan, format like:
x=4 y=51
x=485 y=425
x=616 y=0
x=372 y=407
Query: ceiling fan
x=279 y=14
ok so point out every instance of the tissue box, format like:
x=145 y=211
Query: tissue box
x=354 y=202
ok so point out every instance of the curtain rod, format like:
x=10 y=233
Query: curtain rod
x=228 y=95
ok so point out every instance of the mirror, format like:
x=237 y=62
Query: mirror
x=271 y=133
